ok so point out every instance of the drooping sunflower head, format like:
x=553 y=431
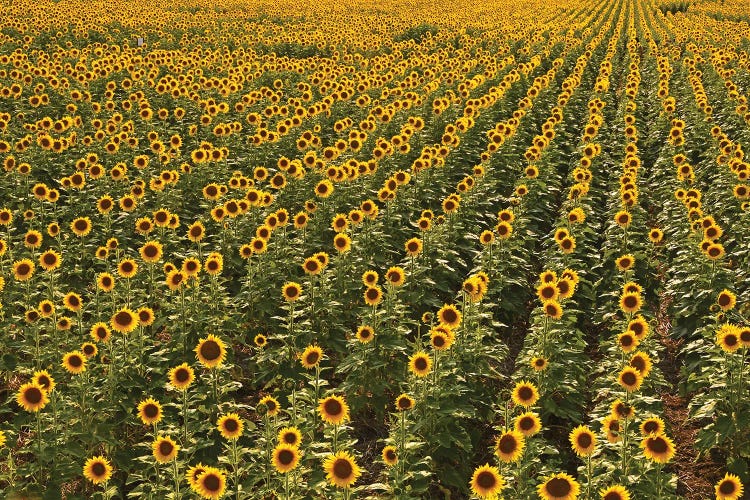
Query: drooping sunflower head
x=211 y=351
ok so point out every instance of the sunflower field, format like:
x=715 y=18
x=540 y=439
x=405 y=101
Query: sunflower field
x=256 y=249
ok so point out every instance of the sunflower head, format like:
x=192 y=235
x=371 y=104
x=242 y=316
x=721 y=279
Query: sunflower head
x=333 y=409
x=311 y=356
x=290 y=436
x=181 y=376
x=729 y=487
x=525 y=394
x=420 y=364
x=560 y=486
x=230 y=426
x=211 y=483
x=74 y=362
x=32 y=397
x=271 y=405
x=211 y=351
x=164 y=449
x=97 y=469
x=486 y=482
x=614 y=493
x=149 y=411
x=404 y=402
x=341 y=469
x=509 y=446
x=658 y=448
x=285 y=457
x=583 y=441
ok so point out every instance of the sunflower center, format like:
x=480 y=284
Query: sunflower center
x=650 y=427
x=123 y=318
x=50 y=259
x=548 y=292
x=342 y=469
x=150 y=251
x=630 y=301
x=75 y=361
x=657 y=445
x=33 y=395
x=526 y=423
x=372 y=293
x=507 y=444
x=629 y=378
x=584 y=440
x=81 y=225
x=312 y=358
x=727 y=487
x=420 y=364
x=730 y=340
x=210 y=350
x=450 y=316
x=404 y=403
x=24 y=269
x=151 y=411
x=286 y=457
x=558 y=487
x=98 y=469
x=525 y=393
x=211 y=482
x=438 y=341
x=636 y=328
x=44 y=381
x=182 y=375
x=745 y=335
x=231 y=425
x=612 y=495
x=165 y=448
x=638 y=363
x=486 y=480
x=290 y=438
x=390 y=455
x=332 y=407
x=626 y=340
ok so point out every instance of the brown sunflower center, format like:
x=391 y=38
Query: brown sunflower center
x=211 y=482
x=182 y=375
x=525 y=393
x=727 y=487
x=342 y=469
x=150 y=251
x=657 y=445
x=420 y=363
x=231 y=425
x=151 y=410
x=650 y=426
x=312 y=358
x=50 y=259
x=24 y=269
x=286 y=457
x=526 y=423
x=165 y=448
x=638 y=363
x=507 y=444
x=558 y=487
x=290 y=438
x=629 y=378
x=332 y=407
x=612 y=495
x=584 y=440
x=210 y=350
x=390 y=455
x=630 y=301
x=123 y=318
x=731 y=340
x=75 y=361
x=724 y=300
x=486 y=480
x=81 y=225
x=33 y=395
x=548 y=292
x=404 y=403
x=626 y=340
x=450 y=316
x=438 y=341
x=98 y=469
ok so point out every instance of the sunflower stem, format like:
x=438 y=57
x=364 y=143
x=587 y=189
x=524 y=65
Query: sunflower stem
x=335 y=438
x=39 y=446
x=588 y=476
x=176 y=478
x=185 y=416
x=236 y=469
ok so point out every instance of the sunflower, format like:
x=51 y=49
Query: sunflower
x=89 y=350
x=616 y=492
x=32 y=397
x=658 y=448
x=441 y=338
x=342 y=242
x=652 y=426
x=72 y=301
x=290 y=436
x=729 y=488
x=728 y=338
x=525 y=394
x=389 y=456
x=583 y=441
x=97 y=470
x=373 y=295
x=333 y=410
x=547 y=292
x=395 y=276
x=311 y=266
x=311 y=356
x=100 y=332
x=124 y=321
x=509 y=446
x=639 y=326
x=210 y=351
x=285 y=457
x=164 y=449
x=105 y=282
x=625 y=262
x=365 y=334
x=539 y=363
x=420 y=364
x=560 y=486
x=44 y=380
x=81 y=226
x=486 y=482
x=230 y=426
x=341 y=469
x=726 y=300
x=404 y=402
x=211 y=483
x=566 y=287
x=641 y=362
x=630 y=302
x=655 y=235
x=714 y=251
x=413 y=246
x=74 y=362
x=149 y=411
x=50 y=260
x=260 y=340
x=151 y=251
x=271 y=404
x=449 y=316
x=553 y=309
x=623 y=218
x=181 y=376
x=621 y=410
x=630 y=379
x=611 y=425
x=370 y=278
x=23 y=270
x=291 y=291
x=627 y=341
x=527 y=424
